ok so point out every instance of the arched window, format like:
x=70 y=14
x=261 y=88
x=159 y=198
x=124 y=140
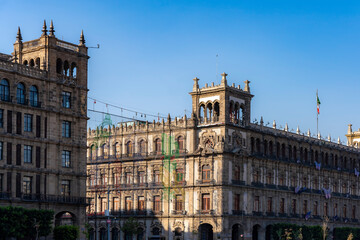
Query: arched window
x=271 y=150
x=206 y=173
x=178 y=232
x=231 y=112
x=216 y=111
x=269 y=178
x=20 y=93
x=265 y=148
x=32 y=63
x=305 y=155
x=142 y=146
x=4 y=90
x=59 y=66
x=295 y=153
x=34 y=101
x=283 y=151
x=129 y=148
x=201 y=112
x=117 y=149
x=156 y=231
x=25 y=62
x=209 y=112
x=257 y=145
x=180 y=143
x=73 y=70
x=158 y=146
x=37 y=62
x=66 y=68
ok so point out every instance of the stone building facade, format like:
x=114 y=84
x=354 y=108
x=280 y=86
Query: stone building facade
x=217 y=175
x=43 y=121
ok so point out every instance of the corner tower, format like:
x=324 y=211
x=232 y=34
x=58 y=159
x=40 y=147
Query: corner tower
x=221 y=103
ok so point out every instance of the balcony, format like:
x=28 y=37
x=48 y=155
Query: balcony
x=36 y=104
x=283 y=215
x=238 y=212
x=6 y=98
x=24 y=102
x=270 y=214
x=178 y=183
x=238 y=182
x=178 y=212
x=257 y=184
x=271 y=186
x=208 y=212
x=257 y=214
x=54 y=199
x=154 y=213
x=5 y=195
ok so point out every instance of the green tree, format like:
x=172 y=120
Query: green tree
x=66 y=232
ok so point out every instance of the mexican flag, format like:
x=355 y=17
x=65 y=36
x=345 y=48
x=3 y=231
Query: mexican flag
x=318 y=103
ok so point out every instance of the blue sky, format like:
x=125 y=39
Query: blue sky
x=151 y=50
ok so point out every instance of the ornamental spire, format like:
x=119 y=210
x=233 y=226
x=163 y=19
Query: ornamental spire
x=51 y=29
x=18 y=36
x=82 y=39
x=223 y=79
x=44 y=30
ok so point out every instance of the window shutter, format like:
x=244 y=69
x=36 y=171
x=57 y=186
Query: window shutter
x=37 y=185
x=38 y=157
x=9 y=121
x=9 y=182
x=45 y=130
x=38 y=126
x=45 y=157
x=9 y=153
x=18 y=122
x=18 y=154
x=18 y=185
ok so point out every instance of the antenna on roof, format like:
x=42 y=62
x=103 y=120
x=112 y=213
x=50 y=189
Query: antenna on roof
x=217 y=74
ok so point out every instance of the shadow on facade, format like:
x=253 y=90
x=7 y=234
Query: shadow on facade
x=152 y=226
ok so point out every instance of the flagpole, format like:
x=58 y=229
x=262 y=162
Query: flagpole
x=317 y=115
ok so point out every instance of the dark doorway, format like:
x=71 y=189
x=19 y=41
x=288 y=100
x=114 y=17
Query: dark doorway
x=268 y=232
x=206 y=232
x=237 y=232
x=255 y=232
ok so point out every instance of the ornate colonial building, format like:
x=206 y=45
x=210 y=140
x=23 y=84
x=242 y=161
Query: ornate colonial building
x=43 y=107
x=216 y=175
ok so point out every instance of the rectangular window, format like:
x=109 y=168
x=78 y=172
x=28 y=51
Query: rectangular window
x=66 y=99
x=282 y=205
x=256 y=203
x=128 y=177
x=27 y=154
x=66 y=158
x=1 y=183
x=326 y=209
x=66 y=129
x=315 y=208
x=179 y=175
x=142 y=177
x=65 y=188
x=237 y=202
x=269 y=204
x=157 y=177
x=293 y=206
x=157 y=204
x=18 y=123
x=141 y=203
x=179 y=203
x=1 y=118
x=1 y=150
x=305 y=207
x=116 y=204
x=205 y=202
x=9 y=121
x=28 y=122
x=128 y=203
x=27 y=185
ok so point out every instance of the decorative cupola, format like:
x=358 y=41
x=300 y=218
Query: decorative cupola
x=82 y=39
x=223 y=79
x=44 y=30
x=18 y=36
x=52 y=31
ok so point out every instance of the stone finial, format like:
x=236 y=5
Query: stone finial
x=18 y=36
x=274 y=125
x=196 y=84
x=349 y=129
x=298 y=130
x=329 y=138
x=319 y=135
x=223 y=79
x=51 y=32
x=309 y=133
x=286 y=127
x=169 y=118
x=247 y=87
x=261 y=121
x=339 y=140
x=82 y=39
x=44 y=30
